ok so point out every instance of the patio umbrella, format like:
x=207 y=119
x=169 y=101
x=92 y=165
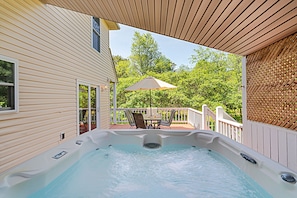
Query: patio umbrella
x=150 y=83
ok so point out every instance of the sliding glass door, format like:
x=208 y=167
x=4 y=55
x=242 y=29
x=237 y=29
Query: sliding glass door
x=88 y=107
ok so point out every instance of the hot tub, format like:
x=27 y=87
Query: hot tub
x=35 y=174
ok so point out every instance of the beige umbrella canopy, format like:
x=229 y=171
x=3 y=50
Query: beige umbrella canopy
x=150 y=83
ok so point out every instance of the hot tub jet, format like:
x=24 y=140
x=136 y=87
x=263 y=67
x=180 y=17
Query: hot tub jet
x=152 y=145
x=288 y=178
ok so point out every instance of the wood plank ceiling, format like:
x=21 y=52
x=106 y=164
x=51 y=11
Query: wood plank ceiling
x=236 y=26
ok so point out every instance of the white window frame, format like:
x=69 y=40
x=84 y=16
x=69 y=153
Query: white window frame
x=16 y=84
x=98 y=33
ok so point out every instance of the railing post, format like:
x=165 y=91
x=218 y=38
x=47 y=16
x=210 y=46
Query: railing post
x=219 y=115
x=204 y=117
x=188 y=117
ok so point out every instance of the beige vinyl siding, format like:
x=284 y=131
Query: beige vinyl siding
x=106 y=54
x=54 y=50
x=108 y=71
x=105 y=107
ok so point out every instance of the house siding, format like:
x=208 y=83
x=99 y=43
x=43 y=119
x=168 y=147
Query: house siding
x=54 y=50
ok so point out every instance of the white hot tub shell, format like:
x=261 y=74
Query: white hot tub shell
x=39 y=171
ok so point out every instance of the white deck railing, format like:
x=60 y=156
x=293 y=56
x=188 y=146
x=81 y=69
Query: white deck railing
x=227 y=126
x=181 y=115
x=208 y=118
x=195 y=118
x=220 y=121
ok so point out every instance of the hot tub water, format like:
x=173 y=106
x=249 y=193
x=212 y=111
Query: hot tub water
x=170 y=171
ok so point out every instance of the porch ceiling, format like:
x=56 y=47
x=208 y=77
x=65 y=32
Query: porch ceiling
x=237 y=26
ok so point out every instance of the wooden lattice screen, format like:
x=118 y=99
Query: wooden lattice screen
x=272 y=84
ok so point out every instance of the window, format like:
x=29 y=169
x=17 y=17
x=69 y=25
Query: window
x=8 y=84
x=96 y=33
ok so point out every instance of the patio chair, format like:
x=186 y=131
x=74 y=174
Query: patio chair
x=139 y=121
x=167 y=122
x=130 y=118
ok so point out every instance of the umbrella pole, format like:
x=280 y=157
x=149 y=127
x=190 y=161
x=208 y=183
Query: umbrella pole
x=151 y=101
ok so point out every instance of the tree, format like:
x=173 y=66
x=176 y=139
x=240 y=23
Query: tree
x=123 y=67
x=117 y=59
x=163 y=64
x=145 y=55
x=217 y=77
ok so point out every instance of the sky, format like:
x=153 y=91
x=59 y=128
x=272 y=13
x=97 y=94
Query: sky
x=176 y=50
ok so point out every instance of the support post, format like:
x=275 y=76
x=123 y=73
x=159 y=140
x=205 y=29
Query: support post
x=219 y=115
x=204 y=117
x=114 y=103
x=244 y=133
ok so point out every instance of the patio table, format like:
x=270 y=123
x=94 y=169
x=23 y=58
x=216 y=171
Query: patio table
x=154 y=119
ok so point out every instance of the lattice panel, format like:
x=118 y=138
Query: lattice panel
x=272 y=84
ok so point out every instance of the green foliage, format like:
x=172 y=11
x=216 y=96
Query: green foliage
x=117 y=59
x=215 y=79
x=145 y=56
x=144 y=52
x=84 y=96
x=163 y=64
x=6 y=76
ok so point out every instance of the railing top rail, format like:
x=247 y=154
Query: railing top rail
x=236 y=124
x=119 y=108
x=211 y=113
x=194 y=110
x=157 y=108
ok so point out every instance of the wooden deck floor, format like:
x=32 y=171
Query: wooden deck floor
x=173 y=127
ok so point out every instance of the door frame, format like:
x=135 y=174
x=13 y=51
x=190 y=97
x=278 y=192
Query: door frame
x=97 y=88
